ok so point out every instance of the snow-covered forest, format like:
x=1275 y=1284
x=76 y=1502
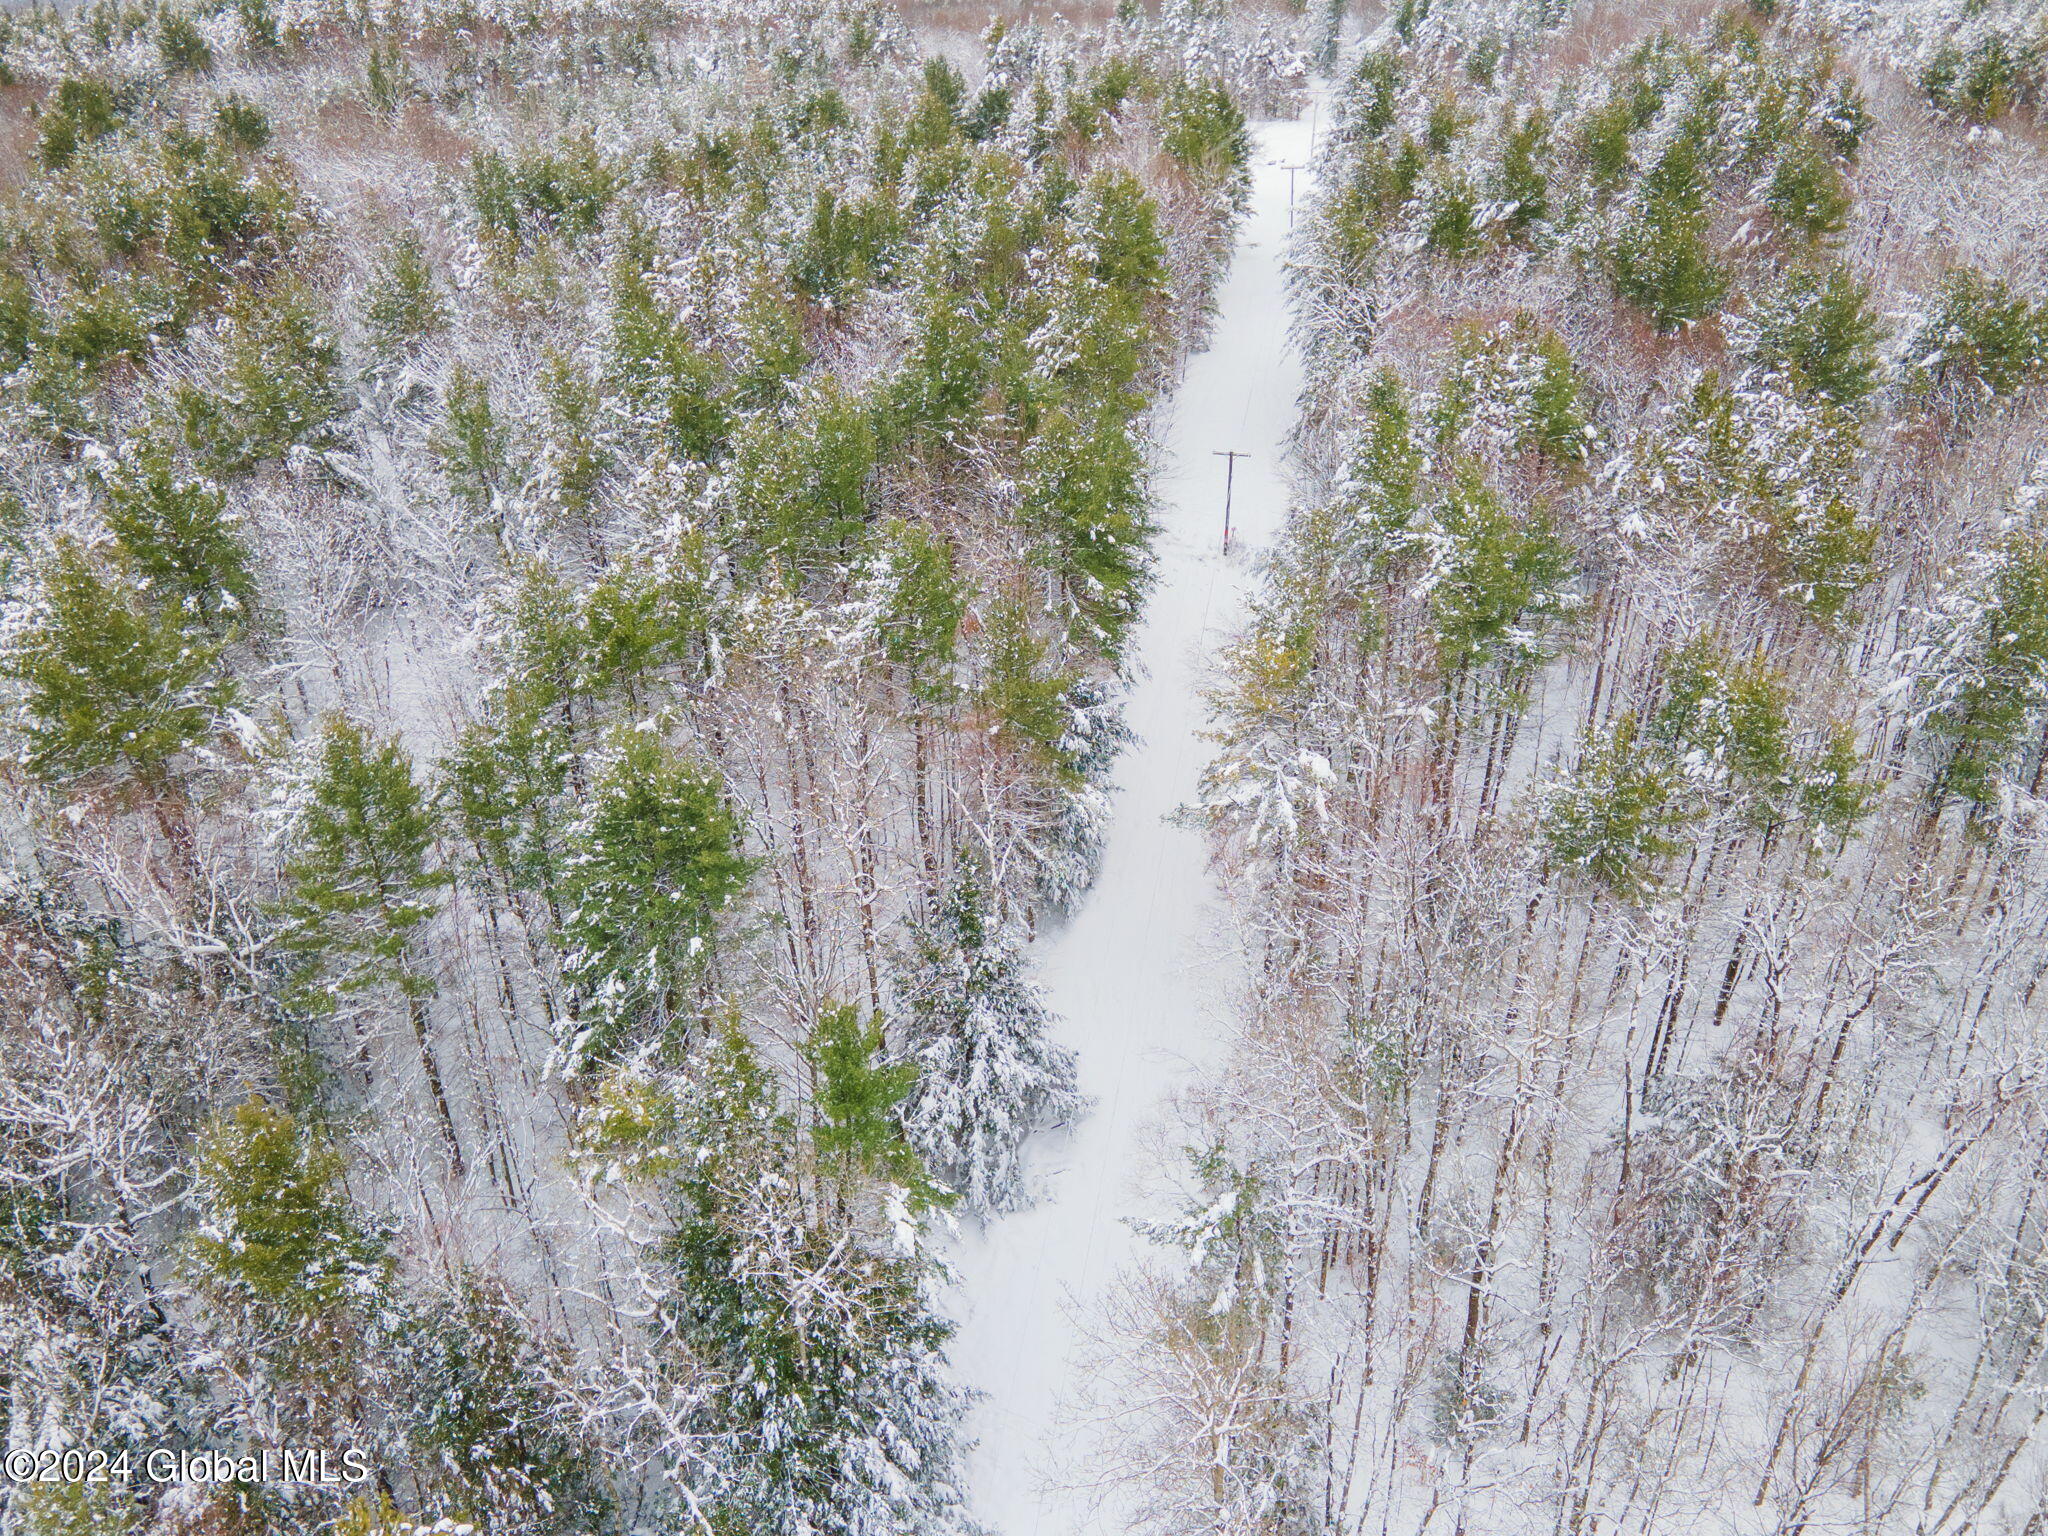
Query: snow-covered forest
x=588 y=586
x=1630 y=785
x=566 y=576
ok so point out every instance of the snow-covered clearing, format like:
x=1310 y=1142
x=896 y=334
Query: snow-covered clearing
x=1137 y=982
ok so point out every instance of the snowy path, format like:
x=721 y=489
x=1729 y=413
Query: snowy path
x=1127 y=976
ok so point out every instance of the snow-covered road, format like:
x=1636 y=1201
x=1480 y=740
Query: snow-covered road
x=1138 y=990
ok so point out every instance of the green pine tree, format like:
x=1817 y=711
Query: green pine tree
x=1501 y=579
x=1980 y=338
x=938 y=395
x=403 y=306
x=661 y=373
x=82 y=111
x=1732 y=713
x=276 y=1227
x=801 y=491
x=182 y=46
x=490 y=1442
x=281 y=1249
x=1203 y=130
x=1617 y=815
x=112 y=678
x=1520 y=186
x=280 y=388
x=576 y=451
x=470 y=441
x=975 y=1030
x=839 y=1419
x=175 y=529
x=652 y=866
x=856 y=1092
x=1022 y=696
x=1819 y=327
x=506 y=780
x=1659 y=258
x=361 y=886
x=1087 y=493
x=2000 y=683
x=1382 y=490
x=920 y=628
x=240 y=123
x=1807 y=191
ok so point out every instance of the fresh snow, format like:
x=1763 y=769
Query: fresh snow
x=1137 y=993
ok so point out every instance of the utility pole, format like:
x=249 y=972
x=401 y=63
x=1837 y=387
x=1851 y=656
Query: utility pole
x=1290 y=170
x=1230 y=457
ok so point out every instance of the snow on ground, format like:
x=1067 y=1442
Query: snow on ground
x=1138 y=993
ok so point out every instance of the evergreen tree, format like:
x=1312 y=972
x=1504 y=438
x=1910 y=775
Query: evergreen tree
x=73 y=1509
x=21 y=321
x=1819 y=328
x=662 y=374
x=470 y=442
x=1520 y=185
x=576 y=453
x=1500 y=580
x=1821 y=542
x=801 y=492
x=1731 y=714
x=1553 y=403
x=651 y=866
x=506 y=779
x=1833 y=794
x=1617 y=814
x=182 y=46
x=1121 y=249
x=1780 y=467
x=855 y=1099
x=1728 y=721
x=110 y=677
x=1659 y=257
x=564 y=192
x=175 y=529
x=1204 y=131
x=1998 y=682
x=773 y=351
x=361 y=887
x=82 y=111
x=1807 y=191
x=1450 y=209
x=1382 y=487
x=848 y=247
x=280 y=387
x=1087 y=491
x=1022 y=698
x=1519 y=383
x=276 y=1228
x=976 y=1030
x=404 y=307
x=491 y=1442
x=241 y=123
x=637 y=618
x=838 y=1418
x=1984 y=80
x=920 y=627
x=300 y=1278
x=938 y=395
x=1979 y=337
